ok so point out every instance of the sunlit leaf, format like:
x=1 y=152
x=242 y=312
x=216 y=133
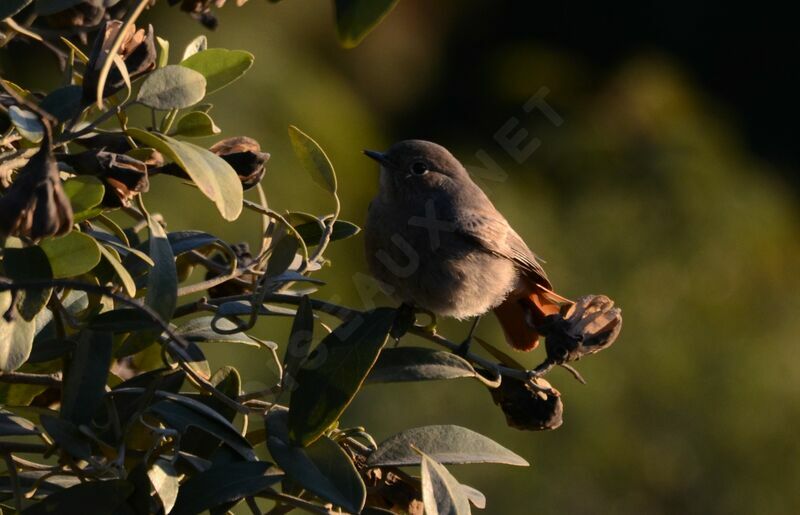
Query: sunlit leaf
x=198 y=44
x=196 y=125
x=72 y=254
x=163 y=52
x=334 y=372
x=356 y=18
x=313 y=158
x=219 y=66
x=212 y=174
x=85 y=194
x=27 y=124
x=165 y=482
x=124 y=276
x=172 y=87
x=442 y=494
x=445 y=443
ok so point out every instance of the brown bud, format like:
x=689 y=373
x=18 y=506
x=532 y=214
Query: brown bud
x=588 y=326
x=138 y=51
x=527 y=407
x=35 y=205
x=245 y=156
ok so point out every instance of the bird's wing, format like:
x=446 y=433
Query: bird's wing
x=495 y=235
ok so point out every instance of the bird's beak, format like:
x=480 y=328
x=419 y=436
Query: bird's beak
x=377 y=156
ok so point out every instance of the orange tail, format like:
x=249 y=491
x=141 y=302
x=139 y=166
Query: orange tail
x=522 y=312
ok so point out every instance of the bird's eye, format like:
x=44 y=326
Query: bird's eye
x=419 y=168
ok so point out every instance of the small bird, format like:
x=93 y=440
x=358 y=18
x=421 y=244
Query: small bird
x=436 y=242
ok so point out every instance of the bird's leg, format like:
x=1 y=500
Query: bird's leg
x=463 y=349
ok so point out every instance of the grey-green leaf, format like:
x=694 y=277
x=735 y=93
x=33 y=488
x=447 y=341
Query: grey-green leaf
x=334 y=372
x=172 y=87
x=418 y=364
x=219 y=66
x=442 y=494
x=356 y=18
x=313 y=158
x=445 y=443
x=215 y=178
x=162 y=281
x=16 y=338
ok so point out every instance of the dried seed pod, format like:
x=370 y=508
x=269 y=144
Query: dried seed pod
x=123 y=176
x=35 y=205
x=527 y=406
x=245 y=156
x=586 y=327
x=138 y=52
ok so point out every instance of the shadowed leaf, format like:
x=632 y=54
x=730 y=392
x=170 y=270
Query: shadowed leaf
x=356 y=18
x=334 y=372
x=104 y=498
x=313 y=159
x=418 y=364
x=85 y=377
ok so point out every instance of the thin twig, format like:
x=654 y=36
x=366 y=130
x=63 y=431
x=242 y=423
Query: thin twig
x=51 y=380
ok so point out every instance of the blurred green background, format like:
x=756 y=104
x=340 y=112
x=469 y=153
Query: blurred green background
x=670 y=186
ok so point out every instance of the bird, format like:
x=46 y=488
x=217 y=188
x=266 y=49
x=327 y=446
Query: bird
x=435 y=241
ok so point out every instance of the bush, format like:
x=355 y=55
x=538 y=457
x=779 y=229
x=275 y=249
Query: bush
x=104 y=384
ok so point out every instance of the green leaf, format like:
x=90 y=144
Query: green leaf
x=334 y=372
x=215 y=178
x=11 y=7
x=323 y=467
x=164 y=479
x=311 y=232
x=442 y=494
x=85 y=193
x=64 y=103
x=72 y=254
x=200 y=330
x=300 y=339
x=356 y=18
x=45 y=7
x=198 y=44
x=85 y=377
x=196 y=125
x=67 y=436
x=95 y=497
x=125 y=277
x=219 y=66
x=27 y=124
x=223 y=484
x=181 y=412
x=172 y=87
x=446 y=444
x=313 y=158
x=16 y=337
x=418 y=364
x=12 y=425
x=282 y=256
